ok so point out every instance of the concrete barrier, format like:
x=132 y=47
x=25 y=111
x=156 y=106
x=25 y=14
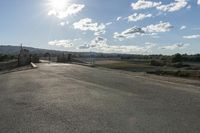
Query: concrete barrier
x=33 y=65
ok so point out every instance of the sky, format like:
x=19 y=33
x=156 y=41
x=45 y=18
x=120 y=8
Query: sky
x=108 y=26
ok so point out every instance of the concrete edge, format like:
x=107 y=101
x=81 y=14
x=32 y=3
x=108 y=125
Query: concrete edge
x=33 y=65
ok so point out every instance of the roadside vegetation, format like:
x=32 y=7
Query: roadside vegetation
x=180 y=65
x=187 y=66
x=6 y=57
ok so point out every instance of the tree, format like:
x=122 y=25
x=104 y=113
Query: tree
x=177 y=58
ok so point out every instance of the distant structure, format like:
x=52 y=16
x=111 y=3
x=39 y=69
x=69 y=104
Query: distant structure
x=65 y=58
x=24 y=57
x=48 y=55
x=69 y=58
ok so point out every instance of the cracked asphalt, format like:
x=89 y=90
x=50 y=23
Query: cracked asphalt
x=67 y=98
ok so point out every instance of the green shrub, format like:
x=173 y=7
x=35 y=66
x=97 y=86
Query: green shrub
x=182 y=74
x=35 y=58
x=180 y=65
x=157 y=63
x=177 y=58
x=6 y=57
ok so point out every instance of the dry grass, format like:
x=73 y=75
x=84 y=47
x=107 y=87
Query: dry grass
x=124 y=65
x=146 y=67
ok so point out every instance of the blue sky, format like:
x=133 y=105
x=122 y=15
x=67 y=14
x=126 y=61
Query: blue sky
x=119 y=26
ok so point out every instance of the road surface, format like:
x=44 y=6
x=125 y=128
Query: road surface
x=66 y=98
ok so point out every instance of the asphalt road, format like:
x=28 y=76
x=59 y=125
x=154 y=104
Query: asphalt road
x=62 y=98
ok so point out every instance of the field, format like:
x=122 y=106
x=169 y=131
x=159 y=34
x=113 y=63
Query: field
x=186 y=69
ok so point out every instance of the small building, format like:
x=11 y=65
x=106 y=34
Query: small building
x=24 y=57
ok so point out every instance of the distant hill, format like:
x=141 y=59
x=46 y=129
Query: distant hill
x=9 y=49
x=14 y=50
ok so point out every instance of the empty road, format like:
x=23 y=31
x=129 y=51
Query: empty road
x=66 y=98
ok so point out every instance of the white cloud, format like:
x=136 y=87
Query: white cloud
x=63 y=43
x=191 y=37
x=171 y=7
x=148 y=30
x=174 y=6
x=175 y=46
x=88 y=25
x=77 y=39
x=109 y=23
x=131 y=49
x=144 y=4
x=189 y=7
x=67 y=11
x=119 y=18
x=136 y=17
x=64 y=23
x=86 y=46
x=183 y=27
x=98 y=42
x=125 y=49
x=161 y=27
x=52 y=12
x=198 y=2
x=128 y=33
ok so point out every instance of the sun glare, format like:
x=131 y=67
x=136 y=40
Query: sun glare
x=58 y=4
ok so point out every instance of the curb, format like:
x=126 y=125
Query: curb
x=33 y=65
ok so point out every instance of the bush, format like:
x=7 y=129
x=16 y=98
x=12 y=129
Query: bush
x=172 y=73
x=6 y=57
x=35 y=58
x=156 y=63
x=177 y=58
x=182 y=74
x=180 y=65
